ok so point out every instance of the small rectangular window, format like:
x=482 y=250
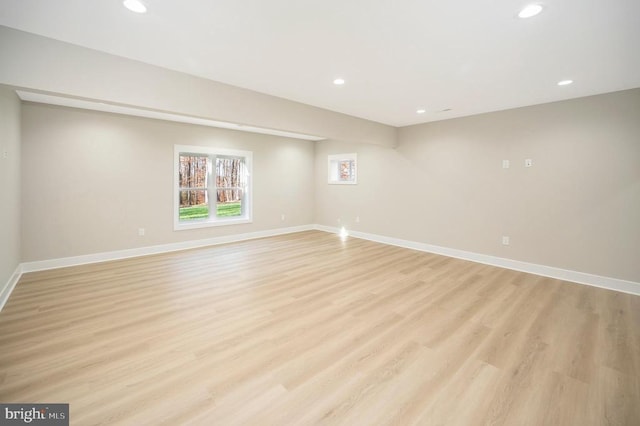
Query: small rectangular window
x=212 y=187
x=343 y=169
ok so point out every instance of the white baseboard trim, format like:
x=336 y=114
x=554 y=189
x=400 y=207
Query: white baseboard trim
x=6 y=290
x=516 y=265
x=41 y=265
x=546 y=271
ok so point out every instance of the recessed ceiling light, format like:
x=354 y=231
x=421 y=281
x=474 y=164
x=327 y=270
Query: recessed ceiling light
x=338 y=81
x=421 y=111
x=135 y=6
x=530 y=10
x=565 y=82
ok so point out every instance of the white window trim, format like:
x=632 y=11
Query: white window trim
x=212 y=221
x=332 y=172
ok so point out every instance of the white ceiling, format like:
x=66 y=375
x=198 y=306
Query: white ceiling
x=472 y=56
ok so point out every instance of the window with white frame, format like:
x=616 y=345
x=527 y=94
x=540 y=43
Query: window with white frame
x=212 y=187
x=343 y=169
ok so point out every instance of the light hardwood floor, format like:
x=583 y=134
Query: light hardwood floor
x=308 y=329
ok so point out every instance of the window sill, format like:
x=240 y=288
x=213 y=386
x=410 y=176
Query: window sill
x=181 y=226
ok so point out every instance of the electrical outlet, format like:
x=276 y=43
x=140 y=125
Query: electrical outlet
x=505 y=241
x=528 y=162
x=141 y=232
x=505 y=164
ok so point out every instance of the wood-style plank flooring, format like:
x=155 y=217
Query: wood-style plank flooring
x=308 y=329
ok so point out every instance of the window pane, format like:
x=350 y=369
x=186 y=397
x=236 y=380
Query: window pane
x=193 y=171
x=229 y=202
x=347 y=170
x=230 y=181
x=194 y=204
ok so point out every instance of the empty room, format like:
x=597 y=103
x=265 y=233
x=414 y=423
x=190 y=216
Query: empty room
x=298 y=213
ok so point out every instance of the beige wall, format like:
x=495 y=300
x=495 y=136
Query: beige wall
x=91 y=179
x=577 y=208
x=9 y=184
x=42 y=64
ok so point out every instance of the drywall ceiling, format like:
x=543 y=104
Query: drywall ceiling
x=468 y=56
